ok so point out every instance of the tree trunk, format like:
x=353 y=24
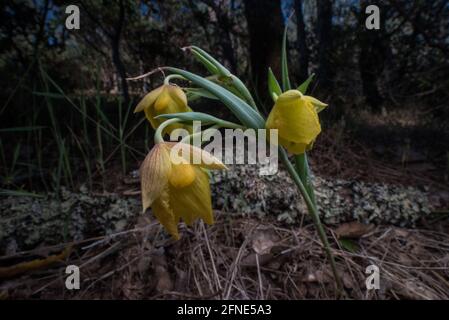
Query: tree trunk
x=226 y=41
x=265 y=30
x=116 y=58
x=224 y=24
x=301 y=42
x=324 y=30
x=373 y=53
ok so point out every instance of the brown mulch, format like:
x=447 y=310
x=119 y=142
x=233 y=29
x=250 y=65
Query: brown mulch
x=240 y=258
x=338 y=155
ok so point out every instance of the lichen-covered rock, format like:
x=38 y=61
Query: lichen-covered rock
x=242 y=190
x=27 y=221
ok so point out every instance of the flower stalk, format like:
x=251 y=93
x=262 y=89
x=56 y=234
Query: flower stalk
x=311 y=207
x=158 y=134
x=300 y=173
x=172 y=76
x=303 y=169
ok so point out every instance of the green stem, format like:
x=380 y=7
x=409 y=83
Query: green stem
x=188 y=138
x=172 y=76
x=158 y=134
x=302 y=168
x=219 y=124
x=313 y=213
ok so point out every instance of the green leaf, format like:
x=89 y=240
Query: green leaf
x=217 y=68
x=243 y=91
x=303 y=87
x=209 y=66
x=196 y=93
x=221 y=70
x=273 y=84
x=303 y=170
x=284 y=65
x=247 y=115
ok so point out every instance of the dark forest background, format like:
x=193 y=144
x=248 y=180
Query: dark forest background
x=66 y=108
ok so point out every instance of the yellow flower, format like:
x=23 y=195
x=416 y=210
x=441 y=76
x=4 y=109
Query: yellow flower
x=175 y=187
x=165 y=99
x=296 y=118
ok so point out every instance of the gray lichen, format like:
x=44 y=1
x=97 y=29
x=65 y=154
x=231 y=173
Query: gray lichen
x=242 y=190
x=26 y=222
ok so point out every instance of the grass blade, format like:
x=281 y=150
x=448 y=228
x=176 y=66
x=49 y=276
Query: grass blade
x=19 y=193
x=22 y=129
x=303 y=87
x=284 y=65
x=273 y=85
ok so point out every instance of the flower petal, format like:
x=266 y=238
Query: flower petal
x=319 y=106
x=154 y=174
x=295 y=118
x=150 y=114
x=163 y=100
x=193 y=201
x=171 y=107
x=293 y=147
x=182 y=175
x=186 y=153
x=164 y=213
x=177 y=95
x=148 y=100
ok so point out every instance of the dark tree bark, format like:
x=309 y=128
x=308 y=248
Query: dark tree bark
x=265 y=27
x=226 y=41
x=325 y=72
x=200 y=18
x=225 y=25
x=374 y=47
x=116 y=57
x=301 y=42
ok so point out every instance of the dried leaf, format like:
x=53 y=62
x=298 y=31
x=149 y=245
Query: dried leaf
x=353 y=230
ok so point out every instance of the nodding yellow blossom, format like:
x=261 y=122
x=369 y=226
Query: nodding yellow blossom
x=296 y=118
x=174 y=187
x=163 y=100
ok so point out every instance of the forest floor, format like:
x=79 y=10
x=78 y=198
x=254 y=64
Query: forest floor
x=253 y=256
x=241 y=258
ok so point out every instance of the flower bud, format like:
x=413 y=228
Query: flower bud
x=296 y=118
